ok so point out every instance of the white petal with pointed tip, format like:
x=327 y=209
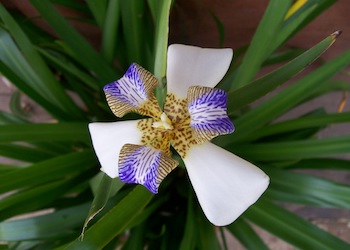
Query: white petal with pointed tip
x=108 y=138
x=190 y=66
x=225 y=184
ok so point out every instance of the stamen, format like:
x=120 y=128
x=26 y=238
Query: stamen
x=164 y=122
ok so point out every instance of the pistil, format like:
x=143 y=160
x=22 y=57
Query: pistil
x=164 y=123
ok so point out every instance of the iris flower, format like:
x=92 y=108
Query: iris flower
x=138 y=151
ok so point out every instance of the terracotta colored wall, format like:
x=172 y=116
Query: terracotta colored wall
x=192 y=23
x=240 y=19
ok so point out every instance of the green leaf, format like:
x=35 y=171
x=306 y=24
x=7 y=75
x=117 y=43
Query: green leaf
x=287 y=186
x=246 y=235
x=45 y=132
x=8 y=118
x=160 y=11
x=290 y=26
x=95 y=183
x=311 y=10
x=100 y=200
x=207 y=238
x=266 y=32
x=33 y=198
x=190 y=234
x=110 y=30
x=69 y=67
x=6 y=168
x=114 y=222
x=322 y=163
x=80 y=49
x=291 y=228
x=60 y=223
x=220 y=27
x=258 y=88
x=13 y=77
x=149 y=210
x=285 y=100
x=49 y=170
x=24 y=153
x=285 y=55
x=295 y=150
x=136 y=239
x=313 y=121
x=44 y=81
x=135 y=31
x=98 y=9
x=16 y=105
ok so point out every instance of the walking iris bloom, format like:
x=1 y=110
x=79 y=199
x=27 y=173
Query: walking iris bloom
x=138 y=151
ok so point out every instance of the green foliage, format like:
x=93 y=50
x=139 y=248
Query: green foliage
x=56 y=169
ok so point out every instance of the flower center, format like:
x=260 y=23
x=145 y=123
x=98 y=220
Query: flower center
x=164 y=123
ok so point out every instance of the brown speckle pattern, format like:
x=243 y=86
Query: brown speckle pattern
x=176 y=110
x=155 y=137
x=181 y=137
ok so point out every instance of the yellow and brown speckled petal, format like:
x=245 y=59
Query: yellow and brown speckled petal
x=183 y=140
x=155 y=137
x=133 y=93
x=176 y=110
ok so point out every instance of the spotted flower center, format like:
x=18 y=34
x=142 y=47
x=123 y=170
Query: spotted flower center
x=164 y=123
x=183 y=123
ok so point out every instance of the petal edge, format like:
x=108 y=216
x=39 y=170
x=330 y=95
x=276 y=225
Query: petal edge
x=108 y=138
x=225 y=184
x=189 y=65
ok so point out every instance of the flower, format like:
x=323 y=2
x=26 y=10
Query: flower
x=138 y=151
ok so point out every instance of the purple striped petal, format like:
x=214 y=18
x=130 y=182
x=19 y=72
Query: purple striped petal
x=144 y=165
x=207 y=107
x=129 y=93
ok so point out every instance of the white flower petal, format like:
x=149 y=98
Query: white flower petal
x=108 y=138
x=225 y=184
x=189 y=66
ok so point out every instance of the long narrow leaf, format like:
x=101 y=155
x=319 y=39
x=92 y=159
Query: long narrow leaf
x=100 y=199
x=81 y=50
x=291 y=228
x=313 y=8
x=258 y=88
x=302 y=123
x=322 y=163
x=190 y=234
x=98 y=9
x=49 y=170
x=34 y=198
x=295 y=150
x=114 y=222
x=246 y=235
x=24 y=153
x=299 y=188
x=57 y=224
x=45 y=132
x=161 y=12
x=110 y=30
x=266 y=32
x=8 y=118
x=46 y=80
x=24 y=87
x=285 y=100
x=70 y=68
